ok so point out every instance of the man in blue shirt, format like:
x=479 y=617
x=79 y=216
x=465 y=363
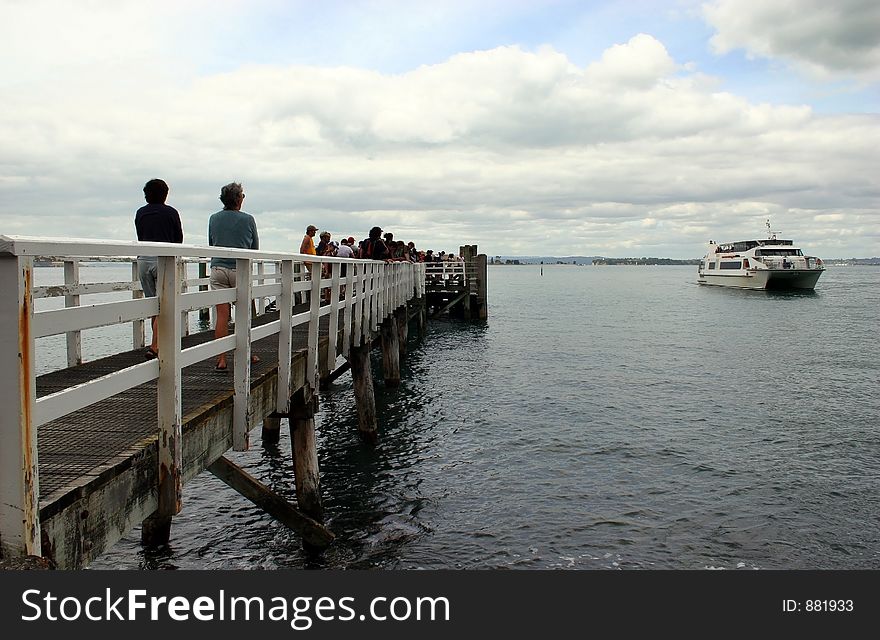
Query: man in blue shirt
x=155 y=222
x=229 y=227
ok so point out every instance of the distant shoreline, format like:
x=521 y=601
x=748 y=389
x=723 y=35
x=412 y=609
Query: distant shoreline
x=641 y=262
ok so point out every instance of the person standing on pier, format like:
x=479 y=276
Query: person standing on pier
x=373 y=248
x=344 y=250
x=307 y=246
x=155 y=222
x=229 y=227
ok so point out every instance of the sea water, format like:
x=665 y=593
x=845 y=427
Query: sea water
x=601 y=418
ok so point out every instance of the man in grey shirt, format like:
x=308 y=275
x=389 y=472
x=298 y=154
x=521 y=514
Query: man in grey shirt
x=230 y=227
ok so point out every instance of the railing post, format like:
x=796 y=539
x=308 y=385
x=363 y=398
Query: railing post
x=375 y=292
x=19 y=470
x=383 y=291
x=74 y=339
x=359 y=269
x=347 y=315
x=333 y=333
x=242 y=370
x=369 y=302
x=285 y=340
x=302 y=415
x=261 y=301
x=314 y=327
x=375 y=303
x=297 y=268
x=168 y=390
x=401 y=284
x=138 y=338
x=204 y=313
x=184 y=315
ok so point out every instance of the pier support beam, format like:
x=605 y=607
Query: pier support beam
x=313 y=532
x=390 y=352
x=305 y=454
x=363 y=391
x=335 y=375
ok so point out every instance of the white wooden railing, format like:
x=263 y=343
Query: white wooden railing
x=449 y=273
x=72 y=289
x=373 y=290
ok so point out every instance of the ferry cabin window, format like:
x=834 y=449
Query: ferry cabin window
x=711 y=265
x=732 y=265
x=778 y=252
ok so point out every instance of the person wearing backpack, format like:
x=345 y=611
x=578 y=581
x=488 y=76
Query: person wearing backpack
x=373 y=248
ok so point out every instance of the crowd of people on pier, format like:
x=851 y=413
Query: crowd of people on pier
x=376 y=246
x=231 y=227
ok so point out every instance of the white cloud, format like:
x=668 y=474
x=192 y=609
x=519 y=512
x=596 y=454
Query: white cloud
x=518 y=151
x=823 y=37
x=638 y=63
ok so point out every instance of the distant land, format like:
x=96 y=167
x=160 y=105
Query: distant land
x=603 y=261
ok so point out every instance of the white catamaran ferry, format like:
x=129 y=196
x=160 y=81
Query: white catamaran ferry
x=759 y=264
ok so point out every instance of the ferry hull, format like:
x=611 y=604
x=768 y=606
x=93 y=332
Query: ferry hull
x=764 y=279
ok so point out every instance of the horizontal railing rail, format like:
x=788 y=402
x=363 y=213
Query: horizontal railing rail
x=369 y=292
x=450 y=274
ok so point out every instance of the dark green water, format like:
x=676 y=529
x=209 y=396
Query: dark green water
x=603 y=417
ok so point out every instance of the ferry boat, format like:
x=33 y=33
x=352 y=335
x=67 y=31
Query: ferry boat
x=759 y=264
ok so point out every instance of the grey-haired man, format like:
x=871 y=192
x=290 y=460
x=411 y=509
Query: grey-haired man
x=229 y=227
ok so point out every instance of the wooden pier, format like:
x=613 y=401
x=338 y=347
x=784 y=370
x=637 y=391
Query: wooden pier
x=458 y=288
x=91 y=451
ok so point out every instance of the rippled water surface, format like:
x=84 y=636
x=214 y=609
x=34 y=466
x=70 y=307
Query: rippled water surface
x=603 y=417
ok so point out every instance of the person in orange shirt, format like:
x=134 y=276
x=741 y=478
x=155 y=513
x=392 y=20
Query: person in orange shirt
x=308 y=244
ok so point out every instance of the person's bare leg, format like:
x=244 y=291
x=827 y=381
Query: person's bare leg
x=221 y=330
x=154 y=345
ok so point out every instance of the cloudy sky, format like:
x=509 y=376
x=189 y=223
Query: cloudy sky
x=529 y=128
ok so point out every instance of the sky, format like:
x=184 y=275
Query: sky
x=618 y=129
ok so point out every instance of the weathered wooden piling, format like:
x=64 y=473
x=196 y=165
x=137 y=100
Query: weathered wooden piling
x=271 y=430
x=422 y=317
x=390 y=352
x=481 y=286
x=363 y=390
x=401 y=317
x=156 y=531
x=305 y=454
